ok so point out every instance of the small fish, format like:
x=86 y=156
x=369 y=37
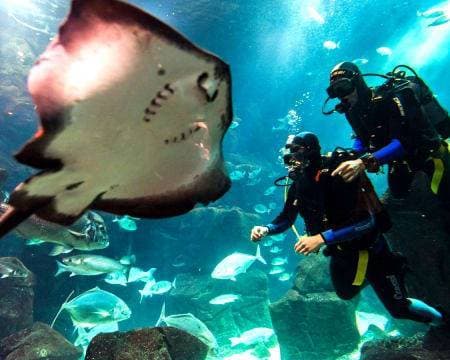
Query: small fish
x=431 y=13
x=96 y=307
x=235 y=264
x=439 y=21
x=254 y=173
x=253 y=336
x=360 y=61
x=116 y=278
x=267 y=242
x=137 y=274
x=275 y=250
x=314 y=14
x=146 y=291
x=89 y=265
x=12 y=268
x=279 y=261
x=224 y=299
x=126 y=222
x=237 y=175
x=161 y=287
x=190 y=324
x=278 y=237
x=331 y=45
x=270 y=190
x=284 y=277
x=261 y=209
x=276 y=270
x=384 y=51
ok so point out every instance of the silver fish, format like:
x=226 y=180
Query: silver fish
x=95 y=307
x=190 y=324
x=235 y=264
x=253 y=336
x=87 y=264
x=224 y=299
x=88 y=233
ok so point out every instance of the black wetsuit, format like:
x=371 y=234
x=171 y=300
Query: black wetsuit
x=326 y=202
x=398 y=116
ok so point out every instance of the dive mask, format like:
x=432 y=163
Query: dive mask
x=340 y=88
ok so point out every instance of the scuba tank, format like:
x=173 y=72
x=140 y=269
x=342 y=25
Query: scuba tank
x=431 y=108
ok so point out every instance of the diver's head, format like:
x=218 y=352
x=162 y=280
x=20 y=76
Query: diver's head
x=302 y=152
x=347 y=84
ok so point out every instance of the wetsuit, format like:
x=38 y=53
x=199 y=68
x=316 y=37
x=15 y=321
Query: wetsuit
x=395 y=130
x=351 y=220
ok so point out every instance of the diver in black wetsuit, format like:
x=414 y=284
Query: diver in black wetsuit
x=392 y=127
x=349 y=219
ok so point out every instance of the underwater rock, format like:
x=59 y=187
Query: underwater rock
x=37 y=342
x=421 y=232
x=160 y=343
x=193 y=293
x=313 y=275
x=16 y=296
x=435 y=345
x=314 y=326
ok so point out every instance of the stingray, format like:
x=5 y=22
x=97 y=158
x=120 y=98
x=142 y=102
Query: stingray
x=132 y=119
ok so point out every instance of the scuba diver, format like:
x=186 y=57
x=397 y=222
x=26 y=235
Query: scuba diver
x=399 y=123
x=349 y=219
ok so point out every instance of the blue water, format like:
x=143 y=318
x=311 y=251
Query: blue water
x=280 y=70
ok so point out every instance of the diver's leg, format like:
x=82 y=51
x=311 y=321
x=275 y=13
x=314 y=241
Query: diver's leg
x=342 y=270
x=386 y=275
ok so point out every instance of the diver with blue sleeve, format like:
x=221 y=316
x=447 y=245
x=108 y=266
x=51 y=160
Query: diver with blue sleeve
x=399 y=123
x=349 y=219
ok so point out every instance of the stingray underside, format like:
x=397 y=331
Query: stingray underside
x=132 y=118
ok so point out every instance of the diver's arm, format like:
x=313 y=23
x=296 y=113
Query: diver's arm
x=358 y=146
x=287 y=216
x=349 y=232
x=392 y=151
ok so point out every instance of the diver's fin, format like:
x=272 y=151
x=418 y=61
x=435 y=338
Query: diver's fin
x=60 y=249
x=259 y=257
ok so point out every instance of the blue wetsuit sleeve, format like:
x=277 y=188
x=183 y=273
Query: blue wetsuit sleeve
x=358 y=146
x=349 y=232
x=287 y=216
x=393 y=150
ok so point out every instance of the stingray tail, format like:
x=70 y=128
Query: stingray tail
x=61 y=309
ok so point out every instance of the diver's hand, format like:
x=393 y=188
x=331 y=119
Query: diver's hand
x=258 y=232
x=349 y=170
x=308 y=244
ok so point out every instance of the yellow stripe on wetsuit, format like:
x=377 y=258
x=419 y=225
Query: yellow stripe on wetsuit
x=363 y=260
x=438 y=169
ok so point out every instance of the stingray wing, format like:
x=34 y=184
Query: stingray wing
x=132 y=119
